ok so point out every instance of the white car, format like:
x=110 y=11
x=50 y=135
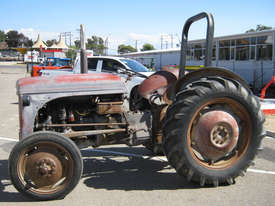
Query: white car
x=102 y=64
x=130 y=70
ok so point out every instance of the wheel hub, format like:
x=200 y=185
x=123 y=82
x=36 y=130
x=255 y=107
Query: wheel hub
x=221 y=135
x=44 y=168
x=216 y=134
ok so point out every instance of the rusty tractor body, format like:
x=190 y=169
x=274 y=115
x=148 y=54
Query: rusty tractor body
x=207 y=123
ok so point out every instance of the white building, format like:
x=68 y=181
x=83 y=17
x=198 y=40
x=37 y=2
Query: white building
x=251 y=55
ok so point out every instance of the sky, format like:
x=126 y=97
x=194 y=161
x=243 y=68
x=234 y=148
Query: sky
x=134 y=22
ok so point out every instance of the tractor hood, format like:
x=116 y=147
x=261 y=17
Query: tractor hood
x=100 y=83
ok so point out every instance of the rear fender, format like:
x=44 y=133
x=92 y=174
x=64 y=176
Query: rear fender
x=196 y=75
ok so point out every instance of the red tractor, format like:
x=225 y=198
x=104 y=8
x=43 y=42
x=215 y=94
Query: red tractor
x=207 y=122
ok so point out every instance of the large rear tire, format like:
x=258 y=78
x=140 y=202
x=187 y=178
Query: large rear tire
x=45 y=166
x=212 y=131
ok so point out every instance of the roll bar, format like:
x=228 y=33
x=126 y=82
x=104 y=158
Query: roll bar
x=209 y=40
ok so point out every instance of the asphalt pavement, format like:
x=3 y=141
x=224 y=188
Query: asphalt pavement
x=119 y=175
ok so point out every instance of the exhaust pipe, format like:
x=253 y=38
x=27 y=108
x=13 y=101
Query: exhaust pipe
x=83 y=55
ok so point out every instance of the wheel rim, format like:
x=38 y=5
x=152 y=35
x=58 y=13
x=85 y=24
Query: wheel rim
x=45 y=168
x=237 y=148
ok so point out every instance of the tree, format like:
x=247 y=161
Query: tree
x=15 y=39
x=77 y=44
x=29 y=43
x=12 y=38
x=96 y=44
x=147 y=47
x=259 y=27
x=51 y=42
x=2 y=36
x=71 y=53
x=24 y=41
x=125 y=49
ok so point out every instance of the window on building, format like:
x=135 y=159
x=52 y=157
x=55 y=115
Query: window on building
x=244 y=41
x=232 y=53
x=214 y=44
x=242 y=53
x=252 y=52
x=264 y=39
x=198 y=54
x=253 y=40
x=224 y=43
x=214 y=53
x=264 y=52
x=198 y=46
x=233 y=42
x=224 y=53
x=189 y=55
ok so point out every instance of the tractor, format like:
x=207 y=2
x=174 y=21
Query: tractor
x=207 y=123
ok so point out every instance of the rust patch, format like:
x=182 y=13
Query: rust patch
x=159 y=80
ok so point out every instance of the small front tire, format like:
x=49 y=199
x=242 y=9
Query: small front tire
x=45 y=166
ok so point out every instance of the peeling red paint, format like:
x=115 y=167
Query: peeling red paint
x=32 y=80
x=74 y=78
x=86 y=77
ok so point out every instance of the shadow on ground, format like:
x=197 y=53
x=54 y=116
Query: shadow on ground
x=105 y=170
x=6 y=196
x=112 y=172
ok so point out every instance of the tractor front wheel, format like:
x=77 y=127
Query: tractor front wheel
x=45 y=166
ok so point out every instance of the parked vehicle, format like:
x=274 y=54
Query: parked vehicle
x=120 y=66
x=31 y=57
x=51 y=63
x=107 y=64
x=207 y=122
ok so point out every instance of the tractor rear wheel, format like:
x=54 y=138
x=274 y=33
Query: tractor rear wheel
x=45 y=166
x=212 y=130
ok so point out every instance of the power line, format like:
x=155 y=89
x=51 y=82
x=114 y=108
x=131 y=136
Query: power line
x=166 y=38
x=67 y=34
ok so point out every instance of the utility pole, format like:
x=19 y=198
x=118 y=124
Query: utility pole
x=69 y=34
x=136 y=43
x=171 y=35
x=164 y=39
x=179 y=40
x=106 y=46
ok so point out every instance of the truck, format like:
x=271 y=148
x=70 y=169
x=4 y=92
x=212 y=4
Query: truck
x=51 y=63
x=207 y=123
x=55 y=63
